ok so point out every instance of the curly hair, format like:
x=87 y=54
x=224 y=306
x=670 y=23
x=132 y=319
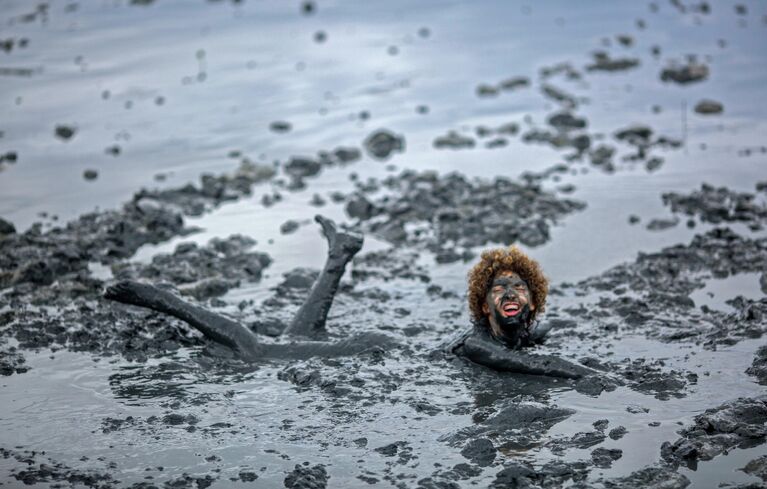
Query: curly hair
x=501 y=260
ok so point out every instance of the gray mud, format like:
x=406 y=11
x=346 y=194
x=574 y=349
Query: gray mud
x=436 y=141
x=739 y=423
x=460 y=211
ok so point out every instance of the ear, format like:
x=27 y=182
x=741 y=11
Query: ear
x=485 y=308
x=532 y=305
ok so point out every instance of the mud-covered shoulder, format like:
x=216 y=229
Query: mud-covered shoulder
x=454 y=344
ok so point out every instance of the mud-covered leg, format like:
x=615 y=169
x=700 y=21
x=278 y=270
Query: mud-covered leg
x=351 y=346
x=216 y=327
x=342 y=248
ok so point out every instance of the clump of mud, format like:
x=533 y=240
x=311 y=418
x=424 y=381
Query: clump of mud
x=603 y=62
x=201 y=272
x=442 y=213
x=507 y=85
x=628 y=296
x=717 y=205
x=516 y=426
x=650 y=478
x=736 y=423
x=40 y=258
x=684 y=73
x=643 y=140
x=454 y=140
x=213 y=190
x=305 y=477
x=382 y=143
x=758 y=367
x=11 y=361
x=709 y=107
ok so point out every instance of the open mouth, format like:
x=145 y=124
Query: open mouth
x=509 y=309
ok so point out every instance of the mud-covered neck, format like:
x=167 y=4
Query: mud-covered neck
x=512 y=338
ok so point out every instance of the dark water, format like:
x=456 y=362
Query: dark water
x=177 y=86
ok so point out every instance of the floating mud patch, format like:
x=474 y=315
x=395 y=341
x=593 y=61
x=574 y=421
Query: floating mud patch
x=280 y=126
x=65 y=132
x=627 y=297
x=97 y=473
x=560 y=96
x=39 y=258
x=758 y=367
x=201 y=272
x=551 y=474
x=515 y=83
x=11 y=361
x=306 y=477
x=387 y=265
x=709 y=107
x=300 y=167
x=507 y=85
x=736 y=423
x=10 y=157
x=718 y=205
x=516 y=426
x=508 y=129
x=563 y=68
x=382 y=143
x=444 y=212
x=603 y=62
x=454 y=140
x=684 y=73
x=566 y=121
x=40 y=469
x=559 y=140
x=662 y=224
x=213 y=190
x=642 y=139
x=649 y=478
x=480 y=451
x=757 y=467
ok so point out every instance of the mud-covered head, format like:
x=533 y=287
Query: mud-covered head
x=506 y=287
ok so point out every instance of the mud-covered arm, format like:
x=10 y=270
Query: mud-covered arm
x=539 y=332
x=485 y=351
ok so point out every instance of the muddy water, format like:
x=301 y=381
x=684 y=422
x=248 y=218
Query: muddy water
x=178 y=86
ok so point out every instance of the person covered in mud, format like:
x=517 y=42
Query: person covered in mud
x=507 y=292
x=308 y=321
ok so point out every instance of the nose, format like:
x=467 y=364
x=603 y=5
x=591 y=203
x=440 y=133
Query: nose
x=510 y=293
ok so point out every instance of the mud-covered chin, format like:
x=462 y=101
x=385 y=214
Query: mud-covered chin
x=511 y=323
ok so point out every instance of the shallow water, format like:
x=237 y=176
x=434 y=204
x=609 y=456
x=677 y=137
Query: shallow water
x=179 y=85
x=717 y=292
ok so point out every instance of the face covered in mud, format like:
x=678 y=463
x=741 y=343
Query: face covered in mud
x=508 y=305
